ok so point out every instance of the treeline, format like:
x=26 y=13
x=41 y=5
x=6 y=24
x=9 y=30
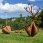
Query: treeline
x=21 y=22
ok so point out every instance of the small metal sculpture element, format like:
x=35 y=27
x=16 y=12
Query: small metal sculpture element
x=32 y=29
x=6 y=29
x=18 y=31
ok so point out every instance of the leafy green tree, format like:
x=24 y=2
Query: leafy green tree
x=2 y=22
x=40 y=17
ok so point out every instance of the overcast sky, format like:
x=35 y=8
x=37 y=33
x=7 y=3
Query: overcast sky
x=15 y=7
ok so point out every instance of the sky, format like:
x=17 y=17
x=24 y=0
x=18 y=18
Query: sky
x=13 y=8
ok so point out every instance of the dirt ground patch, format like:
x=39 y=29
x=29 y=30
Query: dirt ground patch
x=0 y=30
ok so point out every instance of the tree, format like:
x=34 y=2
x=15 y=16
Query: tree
x=40 y=17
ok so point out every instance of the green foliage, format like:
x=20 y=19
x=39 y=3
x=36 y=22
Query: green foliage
x=37 y=21
x=21 y=22
x=2 y=22
x=40 y=17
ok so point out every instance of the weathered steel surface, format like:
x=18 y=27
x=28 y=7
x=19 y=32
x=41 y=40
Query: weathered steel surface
x=6 y=29
x=32 y=29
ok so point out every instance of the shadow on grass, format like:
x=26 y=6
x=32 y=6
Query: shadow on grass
x=4 y=33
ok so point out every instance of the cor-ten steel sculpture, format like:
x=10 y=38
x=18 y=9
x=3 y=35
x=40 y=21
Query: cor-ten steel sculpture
x=6 y=29
x=32 y=29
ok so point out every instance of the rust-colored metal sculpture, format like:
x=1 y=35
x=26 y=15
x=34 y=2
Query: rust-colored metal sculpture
x=6 y=29
x=32 y=29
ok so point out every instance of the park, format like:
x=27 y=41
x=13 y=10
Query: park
x=21 y=29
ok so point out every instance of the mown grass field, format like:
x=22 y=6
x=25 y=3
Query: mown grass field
x=21 y=38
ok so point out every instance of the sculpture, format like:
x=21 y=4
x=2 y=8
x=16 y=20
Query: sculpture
x=32 y=29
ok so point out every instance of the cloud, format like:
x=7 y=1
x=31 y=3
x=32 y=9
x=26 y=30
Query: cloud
x=31 y=0
x=13 y=8
x=34 y=0
x=1 y=1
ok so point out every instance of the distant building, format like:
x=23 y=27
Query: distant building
x=13 y=19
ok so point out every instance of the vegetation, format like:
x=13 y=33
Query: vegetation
x=21 y=22
x=21 y=38
x=40 y=17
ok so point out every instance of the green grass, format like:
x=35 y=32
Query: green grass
x=21 y=38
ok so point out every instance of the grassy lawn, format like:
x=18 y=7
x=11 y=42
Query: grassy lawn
x=21 y=38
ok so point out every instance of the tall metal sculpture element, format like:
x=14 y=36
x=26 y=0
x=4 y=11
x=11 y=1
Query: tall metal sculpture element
x=32 y=29
x=6 y=29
